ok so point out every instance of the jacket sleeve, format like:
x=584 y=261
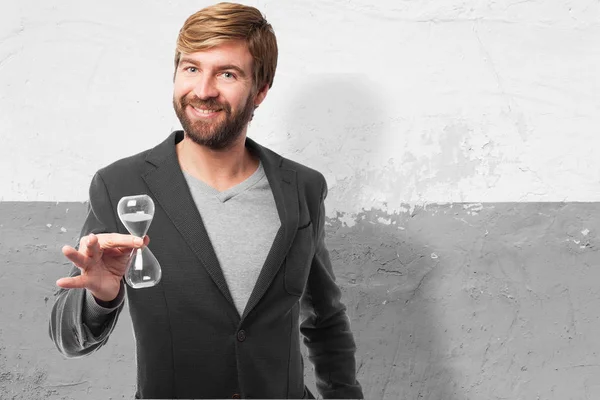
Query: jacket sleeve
x=70 y=334
x=325 y=325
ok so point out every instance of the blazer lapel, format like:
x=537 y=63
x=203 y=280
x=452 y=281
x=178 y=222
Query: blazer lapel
x=170 y=189
x=285 y=192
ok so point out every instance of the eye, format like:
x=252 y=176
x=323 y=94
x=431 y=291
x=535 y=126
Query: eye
x=191 y=69
x=228 y=75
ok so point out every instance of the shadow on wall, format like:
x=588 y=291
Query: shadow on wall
x=335 y=125
x=390 y=278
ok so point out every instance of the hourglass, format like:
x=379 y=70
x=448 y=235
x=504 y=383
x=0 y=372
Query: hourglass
x=136 y=213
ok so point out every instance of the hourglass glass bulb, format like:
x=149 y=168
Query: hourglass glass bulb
x=144 y=269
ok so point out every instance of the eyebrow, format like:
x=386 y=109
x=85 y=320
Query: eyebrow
x=220 y=68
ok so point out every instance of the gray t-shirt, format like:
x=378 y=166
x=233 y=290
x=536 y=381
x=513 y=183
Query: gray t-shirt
x=241 y=222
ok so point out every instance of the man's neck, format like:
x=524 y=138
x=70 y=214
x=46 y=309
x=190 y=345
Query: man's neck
x=221 y=169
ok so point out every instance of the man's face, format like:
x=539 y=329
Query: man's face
x=214 y=96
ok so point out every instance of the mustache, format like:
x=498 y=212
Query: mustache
x=211 y=104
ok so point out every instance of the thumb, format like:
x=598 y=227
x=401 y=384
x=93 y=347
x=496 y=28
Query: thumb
x=75 y=282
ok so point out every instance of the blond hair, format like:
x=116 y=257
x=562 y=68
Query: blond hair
x=222 y=22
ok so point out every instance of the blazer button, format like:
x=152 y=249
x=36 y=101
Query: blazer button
x=236 y=396
x=241 y=335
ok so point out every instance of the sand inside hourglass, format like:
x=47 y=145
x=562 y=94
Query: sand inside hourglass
x=137 y=223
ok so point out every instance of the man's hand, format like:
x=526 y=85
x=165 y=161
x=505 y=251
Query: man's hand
x=103 y=261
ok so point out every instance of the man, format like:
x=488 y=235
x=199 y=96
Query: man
x=238 y=231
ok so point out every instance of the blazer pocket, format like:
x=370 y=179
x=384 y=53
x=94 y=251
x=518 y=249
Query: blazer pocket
x=298 y=261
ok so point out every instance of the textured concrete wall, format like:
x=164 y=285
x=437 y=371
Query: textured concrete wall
x=497 y=301
x=458 y=139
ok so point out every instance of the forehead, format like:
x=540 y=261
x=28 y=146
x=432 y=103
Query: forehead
x=227 y=53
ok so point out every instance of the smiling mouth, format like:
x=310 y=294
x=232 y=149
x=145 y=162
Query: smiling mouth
x=199 y=112
x=205 y=110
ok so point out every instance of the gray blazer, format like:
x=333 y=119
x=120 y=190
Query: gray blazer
x=190 y=339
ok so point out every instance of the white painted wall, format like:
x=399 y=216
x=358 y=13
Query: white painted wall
x=398 y=103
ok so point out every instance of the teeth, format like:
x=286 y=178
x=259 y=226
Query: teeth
x=202 y=111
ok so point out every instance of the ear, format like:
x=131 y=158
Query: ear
x=260 y=96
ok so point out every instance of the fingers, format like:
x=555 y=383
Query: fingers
x=89 y=245
x=119 y=251
x=76 y=257
x=114 y=240
x=89 y=250
x=92 y=246
x=75 y=282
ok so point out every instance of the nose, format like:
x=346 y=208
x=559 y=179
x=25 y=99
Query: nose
x=206 y=87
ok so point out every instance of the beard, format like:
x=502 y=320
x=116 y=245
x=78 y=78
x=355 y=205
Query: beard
x=218 y=133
